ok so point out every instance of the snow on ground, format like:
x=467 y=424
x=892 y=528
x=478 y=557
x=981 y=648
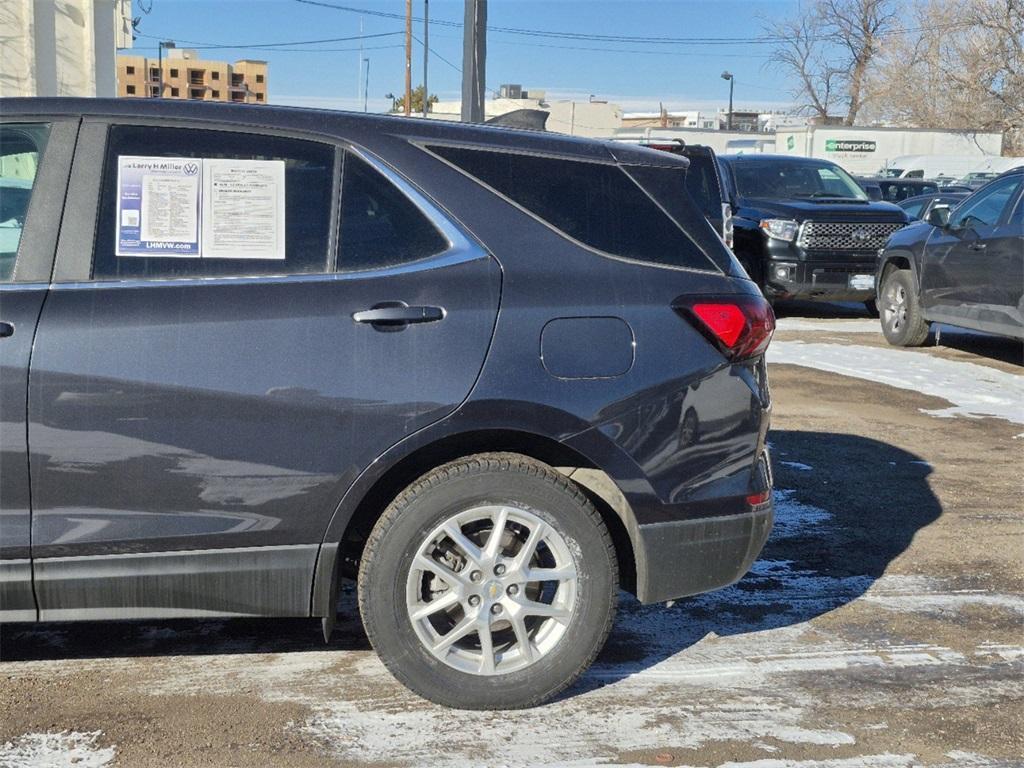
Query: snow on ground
x=974 y=390
x=798 y=465
x=831 y=325
x=56 y=750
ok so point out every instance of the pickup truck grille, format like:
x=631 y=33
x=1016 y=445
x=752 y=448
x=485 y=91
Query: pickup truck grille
x=846 y=235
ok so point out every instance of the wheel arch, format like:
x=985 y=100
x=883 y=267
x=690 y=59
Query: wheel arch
x=897 y=259
x=343 y=546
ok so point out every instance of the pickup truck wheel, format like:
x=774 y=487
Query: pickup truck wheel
x=902 y=320
x=490 y=583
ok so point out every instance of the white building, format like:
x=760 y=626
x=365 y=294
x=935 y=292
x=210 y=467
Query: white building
x=707 y=121
x=65 y=48
x=594 y=119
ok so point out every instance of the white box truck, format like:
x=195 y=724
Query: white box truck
x=866 y=151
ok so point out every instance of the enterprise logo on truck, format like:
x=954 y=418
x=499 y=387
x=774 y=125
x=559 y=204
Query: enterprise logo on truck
x=840 y=145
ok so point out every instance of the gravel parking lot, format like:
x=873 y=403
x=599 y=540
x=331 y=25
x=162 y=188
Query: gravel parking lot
x=881 y=627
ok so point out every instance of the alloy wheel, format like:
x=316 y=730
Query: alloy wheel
x=492 y=590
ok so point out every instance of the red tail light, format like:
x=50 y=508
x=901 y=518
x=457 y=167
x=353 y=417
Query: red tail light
x=740 y=326
x=757 y=499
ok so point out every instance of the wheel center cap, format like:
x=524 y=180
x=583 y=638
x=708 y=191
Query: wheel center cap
x=491 y=590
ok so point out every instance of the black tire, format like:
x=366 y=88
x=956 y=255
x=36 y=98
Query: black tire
x=903 y=322
x=408 y=522
x=872 y=308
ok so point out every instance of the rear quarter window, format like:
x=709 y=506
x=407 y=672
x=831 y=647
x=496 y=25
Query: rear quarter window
x=594 y=203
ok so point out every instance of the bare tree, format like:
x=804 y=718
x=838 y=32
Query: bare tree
x=960 y=66
x=829 y=48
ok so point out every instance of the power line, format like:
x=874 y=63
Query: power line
x=761 y=40
x=439 y=56
x=284 y=50
x=629 y=50
x=273 y=45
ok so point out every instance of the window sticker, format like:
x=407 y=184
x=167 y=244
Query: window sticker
x=243 y=209
x=158 y=206
x=200 y=208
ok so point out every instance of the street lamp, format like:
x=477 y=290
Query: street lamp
x=394 y=101
x=160 y=64
x=728 y=76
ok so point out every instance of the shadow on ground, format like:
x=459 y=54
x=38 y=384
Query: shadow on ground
x=840 y=522
x=993 y=347
x=846 y=507
x=821 y=309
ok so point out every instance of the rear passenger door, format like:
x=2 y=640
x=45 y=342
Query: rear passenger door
x=196 y=415
x=35 y=158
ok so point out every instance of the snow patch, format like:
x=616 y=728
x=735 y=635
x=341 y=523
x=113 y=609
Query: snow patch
x=799 y=465
x=56 y=750
x=974 y=390
x=835 y=326
x=794 y=518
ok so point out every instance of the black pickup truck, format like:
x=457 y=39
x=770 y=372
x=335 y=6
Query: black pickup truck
x=804 y=228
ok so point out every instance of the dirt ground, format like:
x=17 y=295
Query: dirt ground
x=883 y=625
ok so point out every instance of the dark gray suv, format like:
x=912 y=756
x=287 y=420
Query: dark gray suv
x=250 y=352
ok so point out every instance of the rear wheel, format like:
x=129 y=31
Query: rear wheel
x=903 y=322
x=490 y=583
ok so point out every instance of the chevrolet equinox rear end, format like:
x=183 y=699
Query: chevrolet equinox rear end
x=491 y=375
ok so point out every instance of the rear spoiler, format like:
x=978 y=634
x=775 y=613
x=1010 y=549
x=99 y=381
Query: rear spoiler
x=526 y=119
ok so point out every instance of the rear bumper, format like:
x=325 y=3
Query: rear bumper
x=687 y=557
x=836 y=280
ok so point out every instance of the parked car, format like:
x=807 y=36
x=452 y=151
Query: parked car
x=253 y=351
x=920 y=206
x=977 y=179
x=894 y=190
x=804 y=228
x=964 y=268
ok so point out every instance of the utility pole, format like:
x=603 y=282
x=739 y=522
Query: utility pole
x=366 y=86
x=426 y=53
x=728 y=76
x=408 y=57
x=474 y=56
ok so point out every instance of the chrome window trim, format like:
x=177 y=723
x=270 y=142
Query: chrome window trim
x=37 y=285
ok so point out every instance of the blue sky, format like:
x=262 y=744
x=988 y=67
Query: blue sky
x=635 y=75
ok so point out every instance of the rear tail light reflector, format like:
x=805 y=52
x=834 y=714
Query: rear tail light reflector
x=739 y=326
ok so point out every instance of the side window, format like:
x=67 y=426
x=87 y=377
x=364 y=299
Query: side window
x=986 y=206
x=380 y=227
x=594 y=203
x=914 y=209
x=21 y=148
x=183 y=202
